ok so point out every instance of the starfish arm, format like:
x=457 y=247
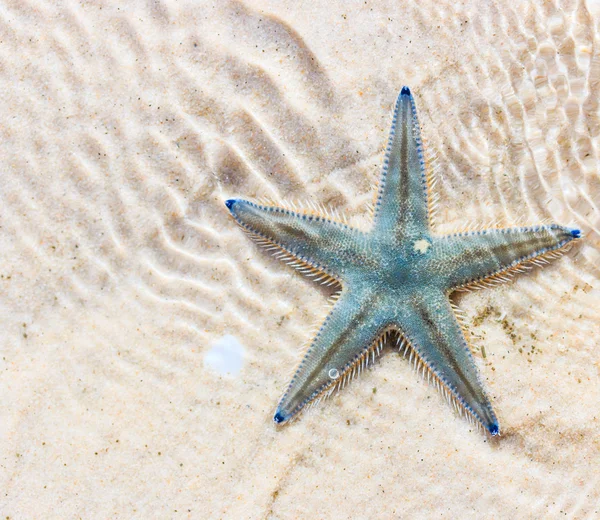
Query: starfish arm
x=340 y=349
x=477 y=256
x=312 y=243
x=401 y=204
x=434 y=334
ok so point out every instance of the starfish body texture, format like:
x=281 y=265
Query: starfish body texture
x=396 y=278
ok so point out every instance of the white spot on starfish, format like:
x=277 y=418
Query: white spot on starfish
x=421 y=246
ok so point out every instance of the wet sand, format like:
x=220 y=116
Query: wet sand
x=127 y=292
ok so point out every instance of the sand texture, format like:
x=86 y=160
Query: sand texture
x=145 y=341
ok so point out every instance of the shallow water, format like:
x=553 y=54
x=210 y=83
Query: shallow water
x=126 y=126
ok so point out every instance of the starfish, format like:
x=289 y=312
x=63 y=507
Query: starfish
x=396 y=279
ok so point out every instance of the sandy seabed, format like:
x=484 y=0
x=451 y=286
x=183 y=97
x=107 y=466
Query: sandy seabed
x=126 y=291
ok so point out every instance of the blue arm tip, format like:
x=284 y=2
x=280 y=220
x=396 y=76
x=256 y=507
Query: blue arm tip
x=494 y=429
x=229 y=203
x=576 y=233
x=278 y=417
x=405 y=91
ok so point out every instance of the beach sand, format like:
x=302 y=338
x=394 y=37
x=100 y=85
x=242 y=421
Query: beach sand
x=146 y=341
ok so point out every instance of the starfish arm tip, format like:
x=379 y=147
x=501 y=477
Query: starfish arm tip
x=405 y=91
x=230 y=202
x=575 y=233
x=494 y=428
x=279 y=417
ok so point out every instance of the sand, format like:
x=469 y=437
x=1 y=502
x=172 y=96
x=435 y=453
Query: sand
x=145 y=340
